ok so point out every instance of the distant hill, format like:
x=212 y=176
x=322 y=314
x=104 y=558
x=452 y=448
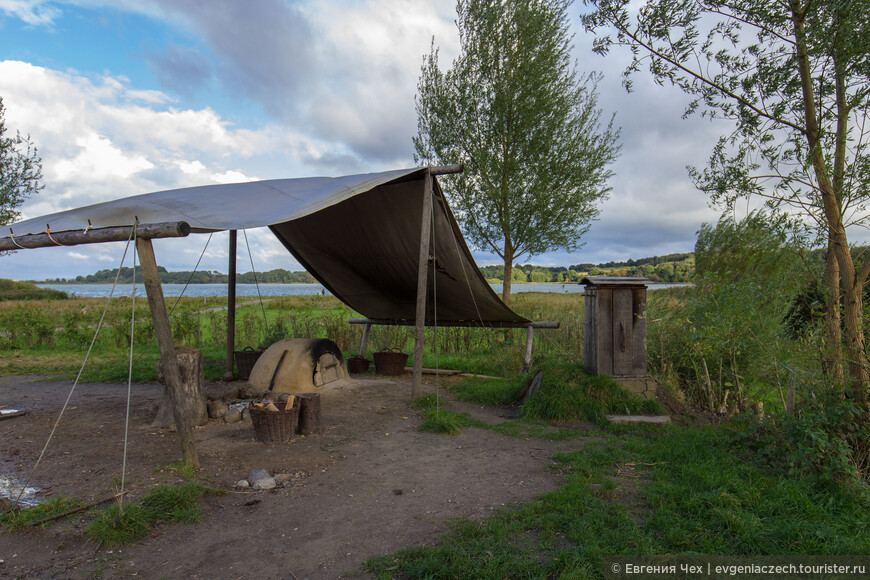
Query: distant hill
x=673 y=268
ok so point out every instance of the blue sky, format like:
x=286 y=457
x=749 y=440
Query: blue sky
x=125 y=97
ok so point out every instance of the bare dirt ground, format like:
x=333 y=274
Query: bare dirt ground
x=370 y=483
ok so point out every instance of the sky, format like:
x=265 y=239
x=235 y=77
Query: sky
x=124 y=97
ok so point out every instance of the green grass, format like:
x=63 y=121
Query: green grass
x=449 y=422
x=22 y=518
x=686 y=492
x=172 y=504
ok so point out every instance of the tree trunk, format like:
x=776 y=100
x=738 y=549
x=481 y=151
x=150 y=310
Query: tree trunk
x=309 y=413
x=508 y=272
x=832 y=359
x=853 y=307
x=192 y=388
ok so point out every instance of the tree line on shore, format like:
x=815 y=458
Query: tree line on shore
x=673 y=268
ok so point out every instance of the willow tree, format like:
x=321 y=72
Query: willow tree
x=514 y=111
x=794 y=76
x=20 y=171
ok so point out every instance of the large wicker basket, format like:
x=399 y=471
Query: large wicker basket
x=390 y=361
x=274 y=426
x=245 y=361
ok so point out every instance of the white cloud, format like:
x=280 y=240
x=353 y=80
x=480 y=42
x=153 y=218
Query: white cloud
x=33 y=12
x=77 y=256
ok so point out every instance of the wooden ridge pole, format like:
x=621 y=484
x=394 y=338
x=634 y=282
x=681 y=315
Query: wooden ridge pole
x=94 y=236
x=422 y=284
x=231 y=306
x=168 y=359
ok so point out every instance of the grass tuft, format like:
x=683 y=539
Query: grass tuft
x=116 y=527
x=449 y=422
x=21 y=518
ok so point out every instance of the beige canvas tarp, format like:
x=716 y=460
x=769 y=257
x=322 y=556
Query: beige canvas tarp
x=359 y=235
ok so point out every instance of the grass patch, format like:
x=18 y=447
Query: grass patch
x=425 y=401
x=22 y=518
x=700 y=498
x=172 y=504
x=489 y=392
x=449 y=422
x=567 y=393
x=116 y=527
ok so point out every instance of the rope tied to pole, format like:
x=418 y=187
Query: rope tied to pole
x=48 y=233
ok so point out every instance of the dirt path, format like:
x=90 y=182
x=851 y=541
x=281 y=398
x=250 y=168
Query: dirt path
x=370 y=483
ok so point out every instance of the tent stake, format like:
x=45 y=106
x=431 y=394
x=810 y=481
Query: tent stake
x=231 y=306
x=422 y=284
x=168 y=360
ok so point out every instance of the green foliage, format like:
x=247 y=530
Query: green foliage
x=512 y=109
x=825 y=441
x=22 y=518
x=20 y=170
x=725 y=334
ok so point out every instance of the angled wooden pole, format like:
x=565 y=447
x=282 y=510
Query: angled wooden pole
x=422 y=284
x=527 y=355
x=231 y=306
x=168 y=360
x=363 y=347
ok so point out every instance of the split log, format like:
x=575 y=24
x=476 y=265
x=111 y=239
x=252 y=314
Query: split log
x=309 y=413
x=192 y=389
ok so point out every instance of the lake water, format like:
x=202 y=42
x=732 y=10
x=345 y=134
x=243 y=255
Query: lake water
x=199 y=290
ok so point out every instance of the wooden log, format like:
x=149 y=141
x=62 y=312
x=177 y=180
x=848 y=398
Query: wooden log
x=446 y=169
x=192 y=387
x=163 y=332
x=95 y=235
x=422 y=285
x=309 y=414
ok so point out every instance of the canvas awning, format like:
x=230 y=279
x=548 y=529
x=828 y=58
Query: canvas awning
x=358 y=235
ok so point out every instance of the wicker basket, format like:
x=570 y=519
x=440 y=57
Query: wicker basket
x=274 y=426
x=390 y=362
x=245 y=361
x=358 y=364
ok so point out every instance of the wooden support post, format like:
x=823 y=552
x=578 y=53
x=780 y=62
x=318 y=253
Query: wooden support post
x=364 y=345
x=422 y=284
x=231 y=307
x=527 y=356
x=168 y=360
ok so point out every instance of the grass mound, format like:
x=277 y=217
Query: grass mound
x=15 y=290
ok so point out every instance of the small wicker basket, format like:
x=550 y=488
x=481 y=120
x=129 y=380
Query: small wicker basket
x=390 y=361
x=358 y=364
x=274 y=426
x=245 y=361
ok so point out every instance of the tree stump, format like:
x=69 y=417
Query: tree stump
x=309 y=413
x=194 y=400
